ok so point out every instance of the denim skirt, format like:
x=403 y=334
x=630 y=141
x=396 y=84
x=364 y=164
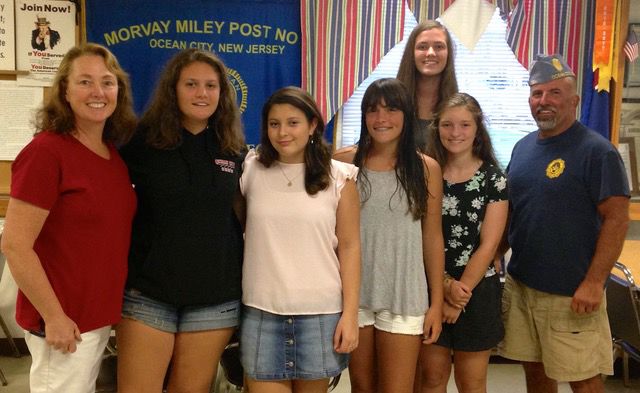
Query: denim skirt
x=286 y=347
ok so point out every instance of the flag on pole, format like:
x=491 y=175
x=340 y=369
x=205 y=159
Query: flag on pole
x=631 y=46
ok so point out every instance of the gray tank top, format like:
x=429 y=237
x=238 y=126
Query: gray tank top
x=393 y=275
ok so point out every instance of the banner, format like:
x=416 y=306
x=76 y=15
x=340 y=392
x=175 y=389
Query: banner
x=603 y=54
x=45 y=31
x=258 y=40
x=605 y=16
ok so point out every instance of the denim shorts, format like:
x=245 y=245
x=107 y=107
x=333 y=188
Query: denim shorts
x=286 y=347
x=172 y=319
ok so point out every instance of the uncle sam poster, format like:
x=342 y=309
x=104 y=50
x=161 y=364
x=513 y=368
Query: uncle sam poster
x=45 y=31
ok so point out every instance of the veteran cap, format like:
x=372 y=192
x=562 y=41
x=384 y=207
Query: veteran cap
x=547 y=68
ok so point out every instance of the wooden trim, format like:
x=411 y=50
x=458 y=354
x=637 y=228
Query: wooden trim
x=629 y=258
x=634 y=211
x=14 y=72
x=5 y=186
x=83 y=23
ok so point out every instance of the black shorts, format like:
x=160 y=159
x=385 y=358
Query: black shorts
x=480 y=327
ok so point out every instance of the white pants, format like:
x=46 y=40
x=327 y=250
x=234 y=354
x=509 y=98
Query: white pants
x=55 y=372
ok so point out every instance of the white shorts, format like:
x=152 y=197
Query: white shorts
x=55 y=372
x=391 y=323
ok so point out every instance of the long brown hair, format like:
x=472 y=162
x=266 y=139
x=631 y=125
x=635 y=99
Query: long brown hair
x=317 y=154
x=161 y=123
x=408 y=73
x=56 y=114
x=482 y=147
x=409 y=167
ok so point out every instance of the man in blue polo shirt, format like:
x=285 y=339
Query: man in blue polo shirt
x=569 y=212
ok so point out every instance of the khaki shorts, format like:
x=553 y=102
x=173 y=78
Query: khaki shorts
x=541 y=327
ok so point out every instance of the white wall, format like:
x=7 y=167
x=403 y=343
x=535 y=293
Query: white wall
x=8 y=292
x=634 y=11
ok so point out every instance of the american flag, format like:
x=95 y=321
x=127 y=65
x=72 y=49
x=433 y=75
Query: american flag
x=631 y=46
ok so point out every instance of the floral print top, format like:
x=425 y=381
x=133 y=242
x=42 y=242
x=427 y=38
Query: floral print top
x=463 y=208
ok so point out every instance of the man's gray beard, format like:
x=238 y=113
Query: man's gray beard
x=546 y=125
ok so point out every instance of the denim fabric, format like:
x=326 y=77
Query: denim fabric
x=169 y=318
x=286 y=347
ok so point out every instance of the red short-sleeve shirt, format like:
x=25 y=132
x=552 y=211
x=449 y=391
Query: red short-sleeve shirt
x=84 y=242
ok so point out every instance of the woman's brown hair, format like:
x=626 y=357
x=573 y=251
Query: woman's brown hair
x=161 y=122
x=317 y=154
x=408 y=73
x=56 y=114
x=482 y=147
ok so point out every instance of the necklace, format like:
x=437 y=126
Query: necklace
x=289 y=180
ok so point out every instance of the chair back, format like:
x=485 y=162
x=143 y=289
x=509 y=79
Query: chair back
x=623 y=307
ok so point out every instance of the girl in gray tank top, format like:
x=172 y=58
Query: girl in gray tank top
x=401 y=295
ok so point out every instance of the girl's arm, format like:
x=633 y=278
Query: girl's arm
x=23 y=224
x=345 y=154
x=433 y=250
x=345 y=338
x=495 y=219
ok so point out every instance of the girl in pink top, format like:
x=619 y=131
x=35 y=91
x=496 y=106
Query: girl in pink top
x=301 y=272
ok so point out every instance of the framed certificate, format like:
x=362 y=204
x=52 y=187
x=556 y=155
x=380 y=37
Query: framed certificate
x=627 y=150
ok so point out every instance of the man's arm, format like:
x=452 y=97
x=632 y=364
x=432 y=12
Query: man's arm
x=614 y=212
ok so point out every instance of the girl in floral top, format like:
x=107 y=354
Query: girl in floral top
x=474 y=214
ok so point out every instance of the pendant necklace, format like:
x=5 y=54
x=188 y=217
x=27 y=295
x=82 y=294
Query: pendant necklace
x=289 y=180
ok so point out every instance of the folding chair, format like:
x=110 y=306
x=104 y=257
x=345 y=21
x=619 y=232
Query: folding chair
x=623 y=308
x=3 y=379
